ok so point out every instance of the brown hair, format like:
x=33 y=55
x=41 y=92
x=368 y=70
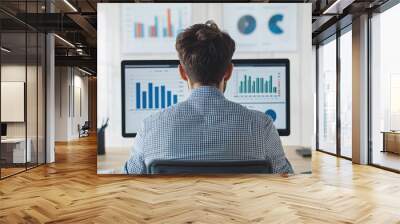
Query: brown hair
x=205 y=52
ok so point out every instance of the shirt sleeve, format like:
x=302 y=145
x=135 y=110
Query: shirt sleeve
x=275 y=154
x=136 y=164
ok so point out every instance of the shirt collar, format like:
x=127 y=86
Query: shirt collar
x=206 y=91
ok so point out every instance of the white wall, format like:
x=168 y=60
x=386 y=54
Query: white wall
x=109 y=57
x=69 y=81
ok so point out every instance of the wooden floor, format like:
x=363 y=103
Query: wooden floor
x=69 y=191
x=386 y=159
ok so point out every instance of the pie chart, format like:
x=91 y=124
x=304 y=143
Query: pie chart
x=246 y=24
x=271 y=114
x=273 y=24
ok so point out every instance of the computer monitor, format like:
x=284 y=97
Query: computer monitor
x=3 y=130
x=150 y=86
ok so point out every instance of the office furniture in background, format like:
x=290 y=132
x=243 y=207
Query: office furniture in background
x=13 y=151
x=101 y=150
x=84 y=129
x=391 y=141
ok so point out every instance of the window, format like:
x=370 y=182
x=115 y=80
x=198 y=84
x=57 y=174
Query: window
x=327 y=97
x=385 y=89
x=346 y=94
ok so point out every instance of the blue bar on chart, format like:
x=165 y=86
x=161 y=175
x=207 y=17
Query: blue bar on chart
x=155 y=97
x=169 y=98
x=162 y=96
x=150 y=95
x=144 y=99
x=156 y=26
x=138 y=95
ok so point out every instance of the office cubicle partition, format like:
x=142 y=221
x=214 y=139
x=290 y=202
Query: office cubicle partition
x=23 y=87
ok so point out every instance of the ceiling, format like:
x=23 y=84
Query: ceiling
x=76 y=22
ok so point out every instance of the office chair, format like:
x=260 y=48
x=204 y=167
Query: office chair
x=208 y=167
x=84 y=130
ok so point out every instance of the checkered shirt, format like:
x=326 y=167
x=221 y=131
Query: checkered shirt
x=207 y=126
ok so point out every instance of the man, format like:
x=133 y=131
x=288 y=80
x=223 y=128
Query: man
x=206 y=126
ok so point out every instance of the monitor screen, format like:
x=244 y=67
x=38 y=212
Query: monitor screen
x=150 y=86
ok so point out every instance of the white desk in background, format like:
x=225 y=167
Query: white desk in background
x=18 y=149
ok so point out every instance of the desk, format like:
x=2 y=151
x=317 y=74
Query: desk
x=114 y=159
x=391 y=141
x=13 y=150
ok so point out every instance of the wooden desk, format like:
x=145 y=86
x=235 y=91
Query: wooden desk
x=114 y=159
x=13 y=150
x=391 y=141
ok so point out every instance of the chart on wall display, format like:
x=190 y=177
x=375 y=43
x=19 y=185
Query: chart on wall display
x=149 y=90
x=150 y=28
x=262 y=89
x=261 y=27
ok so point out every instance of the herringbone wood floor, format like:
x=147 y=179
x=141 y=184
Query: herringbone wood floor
x=69 y=191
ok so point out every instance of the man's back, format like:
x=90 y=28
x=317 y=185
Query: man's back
x=207 y=127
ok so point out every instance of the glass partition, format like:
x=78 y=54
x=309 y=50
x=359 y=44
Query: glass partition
x=32 y=96
x=346 y=94
x=41 y=107
x=23 y=89
x=327 y=97
x=14 y=153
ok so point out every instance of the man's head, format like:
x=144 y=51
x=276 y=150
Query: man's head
x=205 y=55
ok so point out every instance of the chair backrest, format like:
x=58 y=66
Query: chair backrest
x=208 y=166
x=86 y=125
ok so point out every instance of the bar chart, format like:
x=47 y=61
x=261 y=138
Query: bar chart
x=154 y=97
x=148 y=90
x=153 y=27
x=257 y=85
x=166 y=29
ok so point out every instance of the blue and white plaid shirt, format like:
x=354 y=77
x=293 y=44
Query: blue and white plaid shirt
x=207 y=126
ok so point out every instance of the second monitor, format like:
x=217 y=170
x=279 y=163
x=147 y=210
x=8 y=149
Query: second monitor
x=258 y=84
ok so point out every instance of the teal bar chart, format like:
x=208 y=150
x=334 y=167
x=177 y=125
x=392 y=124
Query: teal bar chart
x=258 y=85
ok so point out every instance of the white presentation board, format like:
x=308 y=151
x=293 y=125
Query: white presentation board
x=153 y=28
x=261 y=27
x=12 y=101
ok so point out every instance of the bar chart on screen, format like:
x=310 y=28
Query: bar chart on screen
x=262 y=84
x=260 y=88
x=153 y=89
x=156 y=96
x=259 y=85
x=149 y=89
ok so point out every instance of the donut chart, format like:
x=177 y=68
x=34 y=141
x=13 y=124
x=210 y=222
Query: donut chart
x=271 y=114
x=246 y=24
